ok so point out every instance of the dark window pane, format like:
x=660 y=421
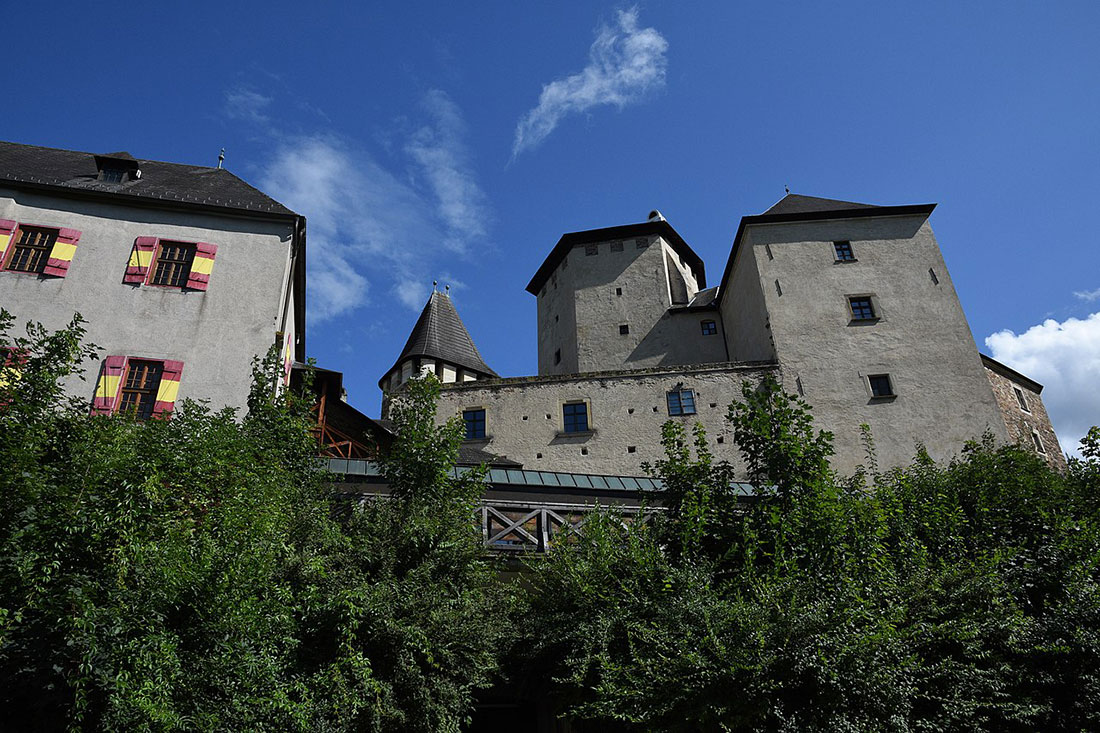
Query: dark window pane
x=474 y=421
x=710 y=328
x=681 y=402
x=575 y=417
x=843 y=251
x=862 y=309
x=880 y=385
x=624 y=330
x=173 y=264
x=139 y=388
x=31 y=251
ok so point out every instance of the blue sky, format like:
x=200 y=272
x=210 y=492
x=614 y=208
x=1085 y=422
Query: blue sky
x=456 y=142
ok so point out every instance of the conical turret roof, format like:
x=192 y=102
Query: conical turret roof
x=440 y=334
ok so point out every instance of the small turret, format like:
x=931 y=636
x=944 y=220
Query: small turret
x=439 y=344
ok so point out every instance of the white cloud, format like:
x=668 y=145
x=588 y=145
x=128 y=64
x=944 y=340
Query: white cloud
x=624 y=63
x=439 y=150
x=248 y=105
x=1065 y=358
x=367 y=225
x=1087 y=295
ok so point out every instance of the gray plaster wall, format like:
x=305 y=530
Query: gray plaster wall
x=626 y=409
x=590 y=297
x=214 y=332
x=922 y=339
x=743 y=309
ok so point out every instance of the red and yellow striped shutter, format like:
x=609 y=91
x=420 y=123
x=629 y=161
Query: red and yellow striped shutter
x=110 y=382
x=202 y=265
x=169 y=387
x=7 y=231
x=288 y=361
x=61 y=256
x=141 y=258
x=11 y=371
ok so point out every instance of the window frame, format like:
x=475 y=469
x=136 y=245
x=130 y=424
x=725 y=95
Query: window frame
x=870 y=383
x=1037 y=440
x=713 y=327
x=680 y=410
x=1020 y=399
x=154 y=264
x=843 y=252
x=569 y=426
x=872 y=304
x=467 y=423
x=145 y=406
x=44 y=250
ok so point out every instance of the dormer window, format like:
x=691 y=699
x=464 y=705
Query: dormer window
x=117 y=167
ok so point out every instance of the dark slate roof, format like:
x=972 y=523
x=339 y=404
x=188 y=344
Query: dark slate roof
x=1011 y=374
x=626 y=231
x=38 y=167
x=440 y=334
x=794 y=203
x=470 y=455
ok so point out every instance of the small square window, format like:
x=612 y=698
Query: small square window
x=624 y=329
x=173 y=264
x=618 y=291
x=1038 y=442
x=1020 y=399
x=474 y=421
x=575 y=417
x=862 y=308
x=591 y=249
x=31 y=249
x=710 y=328
x=681 y=402
x=880 y=385
x=616 y=246
x=844 y=251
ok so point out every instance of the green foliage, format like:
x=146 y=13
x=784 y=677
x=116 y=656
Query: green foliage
x=191 y=573
x=935 y=598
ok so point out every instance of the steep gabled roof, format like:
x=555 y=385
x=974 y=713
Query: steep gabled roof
x=32 y=166
x=795 y=203
x=440 y=334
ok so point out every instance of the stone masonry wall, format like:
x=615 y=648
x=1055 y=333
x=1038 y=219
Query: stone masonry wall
x=1020 y=422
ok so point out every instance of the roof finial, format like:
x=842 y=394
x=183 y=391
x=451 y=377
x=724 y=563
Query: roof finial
x=447 y=289
x=434 y=284
x=786 y=188
x=221 y=158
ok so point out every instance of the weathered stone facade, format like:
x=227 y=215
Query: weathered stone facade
x=1024 y=414
x=850 y=305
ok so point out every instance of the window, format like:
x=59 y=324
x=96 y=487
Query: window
x=575 y=417
x=113 y=175
x=1038 y=442
x=844 y=251
x=880 y=385
x=1020 y=399
x=624 y=329
x=143 y=387
x=31 y=250
x=681 y=402
x=591 y=249
x=139 y=388
x=616 y=246
x=36 y=249
x=618 y=291
x=557 y=356
x=710 y=328
x=474 y=420
x=173 y=264
x=170 y=264
x=862 y=308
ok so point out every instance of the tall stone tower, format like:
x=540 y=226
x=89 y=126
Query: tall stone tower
x=621 y=298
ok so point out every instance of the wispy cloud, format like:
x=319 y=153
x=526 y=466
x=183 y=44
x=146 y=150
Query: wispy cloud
x=248 y=105
x=444 y=160
x=1065 y=358
x=1087 y=295
x=625 y=62
x=373 y=229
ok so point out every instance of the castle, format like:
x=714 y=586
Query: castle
x=848 y=305
x=185 y=273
